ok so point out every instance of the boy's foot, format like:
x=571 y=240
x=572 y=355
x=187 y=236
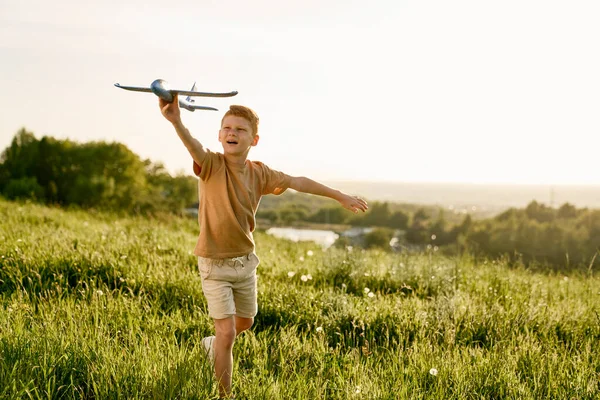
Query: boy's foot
x=209 y=347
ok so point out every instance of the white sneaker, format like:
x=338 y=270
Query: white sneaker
x=209 y=347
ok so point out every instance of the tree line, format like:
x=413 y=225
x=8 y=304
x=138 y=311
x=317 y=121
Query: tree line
x=562 y=237
x=110 y=176
x=90 y=175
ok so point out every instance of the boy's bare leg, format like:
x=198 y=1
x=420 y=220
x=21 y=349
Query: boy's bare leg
x=225 y=332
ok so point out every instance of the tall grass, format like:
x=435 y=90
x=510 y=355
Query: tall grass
x=99 y=306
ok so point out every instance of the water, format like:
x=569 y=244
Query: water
x=321 y=237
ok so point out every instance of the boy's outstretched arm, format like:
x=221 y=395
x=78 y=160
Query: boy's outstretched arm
x=306 y=185
x=172 y=113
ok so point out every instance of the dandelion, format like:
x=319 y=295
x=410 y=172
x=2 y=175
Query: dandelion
x=367 y=290
x=349 y=249
x=304 y=278
x=344 y=286
x=301 y=258
x=319 y=329
x=433 y=371
x=433 y=237
x=291 y=274
x=99 y=292
x=310 y=253
x=371 y=294
x=357 y=389
x=309 y=277
x=429 y=247
x=435 y=248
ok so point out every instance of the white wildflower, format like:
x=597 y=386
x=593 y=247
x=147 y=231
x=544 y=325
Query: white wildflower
x=309 y=277
x=433 y=371
x=319 y=329
x=303 y=278
x=371 y=294
x=367 y=290
x=99 y=292
x=291 y=274
x=433 y=237
x=310 y=253
x=301 y=258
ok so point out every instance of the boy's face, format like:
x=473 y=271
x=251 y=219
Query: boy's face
x=236 y=135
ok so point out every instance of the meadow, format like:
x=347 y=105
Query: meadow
x=104 y=306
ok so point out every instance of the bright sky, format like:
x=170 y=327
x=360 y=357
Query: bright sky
x=421 y=90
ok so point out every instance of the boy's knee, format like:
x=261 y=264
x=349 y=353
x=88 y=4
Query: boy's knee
x=225 y=332
x=243 y=324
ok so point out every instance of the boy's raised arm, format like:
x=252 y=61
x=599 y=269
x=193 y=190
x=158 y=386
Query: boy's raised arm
x=172 y=113
x=306 y=185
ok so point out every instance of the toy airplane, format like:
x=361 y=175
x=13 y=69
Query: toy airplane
x=161 y=88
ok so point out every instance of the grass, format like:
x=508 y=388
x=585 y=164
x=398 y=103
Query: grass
x=99 y=306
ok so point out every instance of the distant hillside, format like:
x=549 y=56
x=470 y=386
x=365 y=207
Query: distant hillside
x=485 y=197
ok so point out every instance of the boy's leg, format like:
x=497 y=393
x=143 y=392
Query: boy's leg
x=242 y=324
x=225 y=332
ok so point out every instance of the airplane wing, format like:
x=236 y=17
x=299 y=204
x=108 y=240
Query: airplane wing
x=134 y=88
x=161 y=89
x=202 y=94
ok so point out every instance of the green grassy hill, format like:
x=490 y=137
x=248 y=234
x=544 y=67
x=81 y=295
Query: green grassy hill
x=99 y=306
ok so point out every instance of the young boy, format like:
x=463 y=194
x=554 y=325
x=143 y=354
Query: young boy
x=230 y=188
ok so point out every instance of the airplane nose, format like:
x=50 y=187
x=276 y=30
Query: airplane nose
x=161 y=88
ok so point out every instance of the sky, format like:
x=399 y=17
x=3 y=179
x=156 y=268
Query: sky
x=405 y=91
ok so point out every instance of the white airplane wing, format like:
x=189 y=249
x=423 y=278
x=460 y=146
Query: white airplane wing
x=202 y=94
x=134 y=88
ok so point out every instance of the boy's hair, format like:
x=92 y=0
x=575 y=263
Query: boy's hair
x=244 y=112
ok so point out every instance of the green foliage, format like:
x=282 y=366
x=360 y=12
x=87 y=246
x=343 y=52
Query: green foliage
x=379 y=238
x=93 y=305
x=94 y=174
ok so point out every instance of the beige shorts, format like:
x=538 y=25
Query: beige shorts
x=229 y=285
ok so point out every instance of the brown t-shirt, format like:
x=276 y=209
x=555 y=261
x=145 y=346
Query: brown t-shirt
x=229 y=196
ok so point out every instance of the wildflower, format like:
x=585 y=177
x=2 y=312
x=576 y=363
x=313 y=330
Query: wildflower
x=371 y=294
x=301 y=258
x=344 y=286
x=433 y=371
x=435 y=248
x=428 y=247
x=367 y=290
x=357 y=389
x=291 y=274
x=310 y=253
x=319 y=329
x=303 y=278
x=99 y=292
x=349 y=248
x=433 y=237
x=309 y=277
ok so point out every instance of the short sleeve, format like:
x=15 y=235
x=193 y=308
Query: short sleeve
x=205 y=169
x=275 y=182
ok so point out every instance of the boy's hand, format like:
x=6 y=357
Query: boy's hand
x=171 y=110
x=353 y=203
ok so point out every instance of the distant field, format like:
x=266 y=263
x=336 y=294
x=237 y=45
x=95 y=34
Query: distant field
x=485 y=197
x=99 y=306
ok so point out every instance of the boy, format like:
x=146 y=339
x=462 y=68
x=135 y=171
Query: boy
x=230 y=188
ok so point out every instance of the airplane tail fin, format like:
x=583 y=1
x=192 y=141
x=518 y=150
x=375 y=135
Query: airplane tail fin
x=189 y=98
